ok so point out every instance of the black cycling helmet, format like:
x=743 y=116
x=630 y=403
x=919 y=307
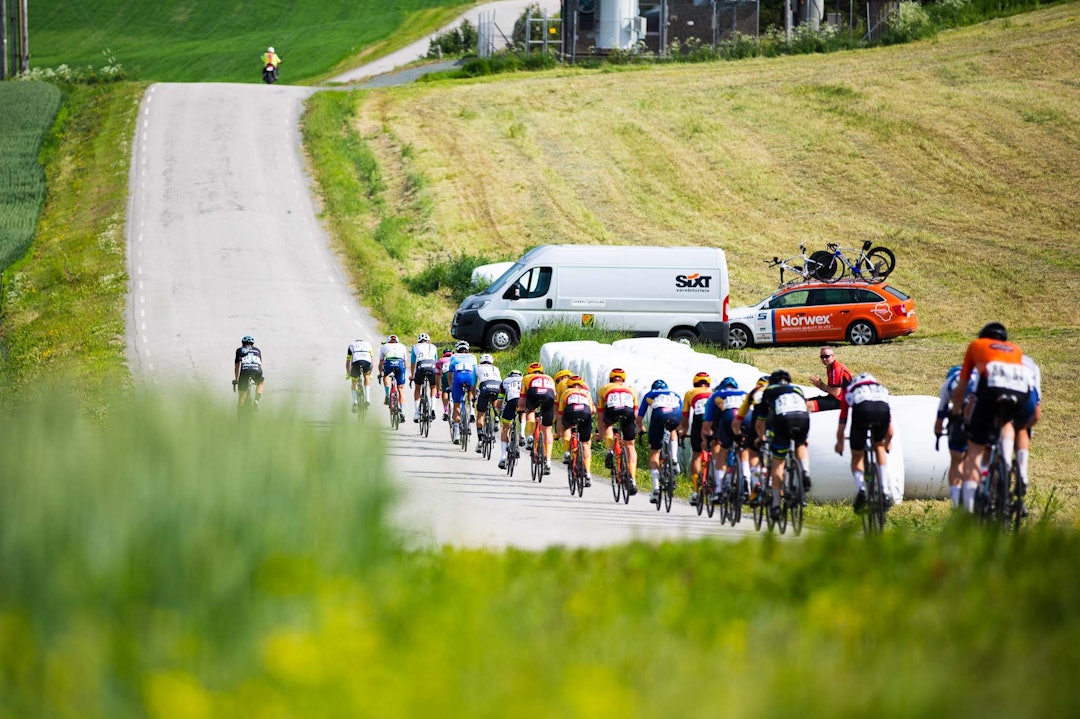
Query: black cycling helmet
x=780 y=375
x=995 y=331
x=248 y=340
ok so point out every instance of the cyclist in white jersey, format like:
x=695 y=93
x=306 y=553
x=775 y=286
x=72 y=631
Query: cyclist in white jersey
x=509 y=391
x=357 y=367
x=422 y=360
x=488 y=383
x=392 y=361
x=1031 y=414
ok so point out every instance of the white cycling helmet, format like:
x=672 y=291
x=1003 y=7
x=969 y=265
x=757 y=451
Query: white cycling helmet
x=515 y=373
x=392 y=338
x=270 y=50
x=487 y=359
x=462 y=346
x=423 y=337
x=864 y=377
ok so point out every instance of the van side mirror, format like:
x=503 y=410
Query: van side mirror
x=514 y=293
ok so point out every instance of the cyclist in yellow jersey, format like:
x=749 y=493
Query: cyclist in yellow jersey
x=561 y=378
x=539 y=392
x=616 y=406
x=693 y=414
x=575 y=407
x=743 y=424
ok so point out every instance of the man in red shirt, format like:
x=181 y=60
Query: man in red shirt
x=837 y=377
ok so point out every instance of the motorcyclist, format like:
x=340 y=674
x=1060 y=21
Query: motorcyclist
x=271 y=58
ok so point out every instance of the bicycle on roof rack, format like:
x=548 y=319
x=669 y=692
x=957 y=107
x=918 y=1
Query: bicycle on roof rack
x=805 y=269
x=871 y=264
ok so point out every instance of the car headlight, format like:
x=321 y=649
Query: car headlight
x=477 y=304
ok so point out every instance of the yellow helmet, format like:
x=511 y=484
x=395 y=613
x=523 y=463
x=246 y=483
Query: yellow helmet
x=617 y=375
x=536 y=368
x=575 y=381
x=703 y=379
x=562 y=374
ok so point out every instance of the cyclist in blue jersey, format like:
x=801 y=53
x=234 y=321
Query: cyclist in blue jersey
x=462 y=369
x=663 y=407
x=392 y=363
x=720 y=411
x=957 y=441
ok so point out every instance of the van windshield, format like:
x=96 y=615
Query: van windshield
x=504 y=279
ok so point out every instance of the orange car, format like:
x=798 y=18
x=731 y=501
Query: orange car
x=818 y=312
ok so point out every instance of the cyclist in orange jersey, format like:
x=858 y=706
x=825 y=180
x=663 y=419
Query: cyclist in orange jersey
x=693 y=416
x=575 y=407
x=539 y=392
x=616 y=406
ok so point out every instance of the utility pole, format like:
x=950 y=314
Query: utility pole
x=24 y=37
x=3 y=40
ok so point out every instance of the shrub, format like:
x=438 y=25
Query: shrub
x=452 y=275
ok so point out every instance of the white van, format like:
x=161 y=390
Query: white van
x=672 y=292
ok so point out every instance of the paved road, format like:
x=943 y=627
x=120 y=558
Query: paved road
x=223 y=241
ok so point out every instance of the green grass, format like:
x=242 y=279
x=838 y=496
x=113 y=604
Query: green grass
x=174 y=563
x=222 y=40
x=27 y=111
x=63 y=309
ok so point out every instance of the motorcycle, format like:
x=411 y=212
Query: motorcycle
x=269 y=74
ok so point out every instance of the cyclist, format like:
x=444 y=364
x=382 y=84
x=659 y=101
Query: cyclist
x=837 y=377
x=248 y=363
x=742 y=426
x=509 y=391
x=462 y=371
x=539 y=395
x=442 y=366
x=787 y=417
x=357 y=368
x=1032 y=414
x=422 y=360
x=1002 y=375
x=561 y=377
x=957 y=442
x=576 y=407
x=664 y=409
x=616 y=406
x=868 y=401
x=271 y=58
x=720 y=409
x=392 y=362
x=488 y=384
x=693 y=417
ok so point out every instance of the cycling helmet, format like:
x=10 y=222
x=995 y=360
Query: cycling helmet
x=562 y=374
x=461 y=346
x=780 y=375
x=994 y=330
x=248 y=340
x=953 y=371
x=514 y=373
x=575 y=381
x=702 y=378
x=617 y=375
x=536 y=368
x=423 y=337
x=728 y=383
x=391 y=338
x=447 y=352
x=270 y=50
x=659 y=384
x=864 y=377
x=487 y=359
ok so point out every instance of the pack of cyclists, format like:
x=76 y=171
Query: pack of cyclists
x=714 y=418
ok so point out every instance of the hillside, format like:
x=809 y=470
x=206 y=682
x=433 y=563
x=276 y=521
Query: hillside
x=961 y=154
x=221 y=40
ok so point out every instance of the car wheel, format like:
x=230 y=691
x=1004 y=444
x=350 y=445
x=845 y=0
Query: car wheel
x=861 y=332
x=501 y=337
x=683 y=333
x=739 y=337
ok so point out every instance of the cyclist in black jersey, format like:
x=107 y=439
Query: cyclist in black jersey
x=248 y=364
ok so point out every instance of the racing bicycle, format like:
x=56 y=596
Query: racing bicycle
x=575 y=469
x=486 y=434
x=512 y=451
x=999 y=500
x=466 y=418
x=731 y=488
x=706 y=488
x=873 y=516
x=667 y=476
x=793 y=497
x=537 y=452
x=807 y=269
x=620 y=471
x=426 y=413
x=871 y=265
x=396 y=415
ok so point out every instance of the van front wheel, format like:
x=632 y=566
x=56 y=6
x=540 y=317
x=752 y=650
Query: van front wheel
x=501 y=337
x=739 y=337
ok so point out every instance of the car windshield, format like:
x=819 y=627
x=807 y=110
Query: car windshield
x=504 y=279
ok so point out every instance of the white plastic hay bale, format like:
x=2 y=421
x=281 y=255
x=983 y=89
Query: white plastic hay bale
x=913 y=419
x=484 y=275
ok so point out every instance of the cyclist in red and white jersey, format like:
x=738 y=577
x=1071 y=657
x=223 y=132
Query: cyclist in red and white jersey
x=539 y=391
x=442 y=375
x=616 y=406
x=868 y=401
x=693 y=417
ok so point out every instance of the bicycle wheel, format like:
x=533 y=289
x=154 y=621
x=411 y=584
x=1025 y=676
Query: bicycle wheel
x=999 y=484
x=881 y=261
x=795 y=496
x=823 y=266
x=701 y=492
x=1016 y=505
x=735 y=507
x=616 y=474
x=874 y=519
x=579 y=464
x=708 y=486
x=395 y=413
x=511 y=449
x=627 y=478
x=767 y=494
x=463 y=433
x=571 y=474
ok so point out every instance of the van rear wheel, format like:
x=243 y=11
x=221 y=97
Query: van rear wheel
x=683 y=333
x=501 y=337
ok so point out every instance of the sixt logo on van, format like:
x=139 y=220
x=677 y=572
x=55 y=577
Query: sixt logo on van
x=696 y=282
x=804 y=321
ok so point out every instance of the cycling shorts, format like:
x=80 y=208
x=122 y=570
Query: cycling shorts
x=722 y=430
x=394 y=368
x=541 y=400
x=509 y=410
x=360 y=368
x=957 y=439
x=623 y=419
x=580 y=416
x=979 y=427
x=444 y=382
x=788 y=427
x=696 y=440
x=457 y=389
x=424 y=369
x=489 y=392
x=660 y=425
x=874 y=416
x=255 y=373
x=1029 y=408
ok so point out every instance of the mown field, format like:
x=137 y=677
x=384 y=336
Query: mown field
x=27 y=111
x=960 y=154
x=222 y=41
x=172 y=563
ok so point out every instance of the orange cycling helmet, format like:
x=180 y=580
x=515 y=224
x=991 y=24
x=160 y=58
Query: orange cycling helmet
x=575 y=381
x=562 y=374
x=536 y=368
x=617 y=375
x=702 y=378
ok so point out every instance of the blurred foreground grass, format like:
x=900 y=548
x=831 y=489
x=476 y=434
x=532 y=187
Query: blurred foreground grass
x=170 y=562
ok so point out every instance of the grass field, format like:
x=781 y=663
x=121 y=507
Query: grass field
x=173 y=563
x=960 y=154
x=222 y=41
x=27 y=111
